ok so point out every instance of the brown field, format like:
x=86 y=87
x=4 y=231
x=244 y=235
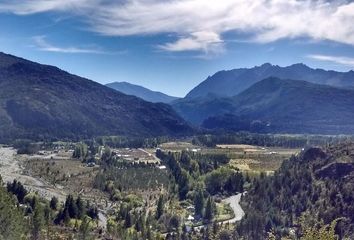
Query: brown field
x=178 y=146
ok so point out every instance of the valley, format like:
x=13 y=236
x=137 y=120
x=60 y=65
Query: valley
x=84 y=161
x=55 y=172
x=176 y=120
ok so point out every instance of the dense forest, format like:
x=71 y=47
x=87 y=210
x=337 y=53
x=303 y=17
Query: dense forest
x=312 y=189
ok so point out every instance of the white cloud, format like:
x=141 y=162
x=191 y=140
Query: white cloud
x=263 y=20
x=334 y=59
x=208 y=42
x=25 y=7
x=43 y=45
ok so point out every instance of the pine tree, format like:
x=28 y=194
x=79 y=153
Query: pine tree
x=11 y=218
x=128 y=220
x=209 y=209
x=54 y=203
x=80 y=207
x=37 y=219
x=199 y=203
x=159 y=210
x=47 y=218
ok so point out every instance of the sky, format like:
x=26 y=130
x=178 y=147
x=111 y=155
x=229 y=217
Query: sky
x=173 y=45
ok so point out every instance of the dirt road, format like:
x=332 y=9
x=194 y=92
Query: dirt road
x=234 y=202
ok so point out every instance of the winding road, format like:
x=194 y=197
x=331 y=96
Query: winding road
x=234 y=202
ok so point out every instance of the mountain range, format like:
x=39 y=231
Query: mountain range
x=288 y=106
x=141 y=92
x=39 y=101
x=230 y=99
x=232 y=82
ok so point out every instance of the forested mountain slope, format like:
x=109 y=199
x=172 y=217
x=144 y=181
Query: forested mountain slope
x=312 y=189
x=40 y=101
x=278 y=105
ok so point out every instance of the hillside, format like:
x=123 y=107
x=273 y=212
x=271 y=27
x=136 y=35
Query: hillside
x=141 y=92
x=275 y=105
x=232 y=82
x=39 y=101
x=314 y=186
x=298 y=106
x=197 y=110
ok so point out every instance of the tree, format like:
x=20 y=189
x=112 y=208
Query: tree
x=37 y=219
x=80 y=151
x=159 y=210
x=80 y=208
x=199 y=203
x=183 y=184
x=209 y=209
x=18 y=189
x=71 y=206
x=174 y=222
x=47 y=218
x=12 y=221
x=54 y=203
x=128 y=220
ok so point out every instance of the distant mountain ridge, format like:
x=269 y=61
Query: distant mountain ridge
x=232 y=82
x=141 y=92
x=39 y=101
x=290 y=106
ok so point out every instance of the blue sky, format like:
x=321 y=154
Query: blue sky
x=173 y=45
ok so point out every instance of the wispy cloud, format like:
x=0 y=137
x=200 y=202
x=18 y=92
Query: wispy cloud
x=263 y=20
x=208 y=42
x=348 y=61
x=42 y=44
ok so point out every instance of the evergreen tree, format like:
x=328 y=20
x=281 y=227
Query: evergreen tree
x=12 y=221
x=37 y=219
x=47 y=218
x=71 y=206
x=199 y=203
x=128 y=220
x=54 y=203
x=80 y=208
x=160 y=207
x=209 y=209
